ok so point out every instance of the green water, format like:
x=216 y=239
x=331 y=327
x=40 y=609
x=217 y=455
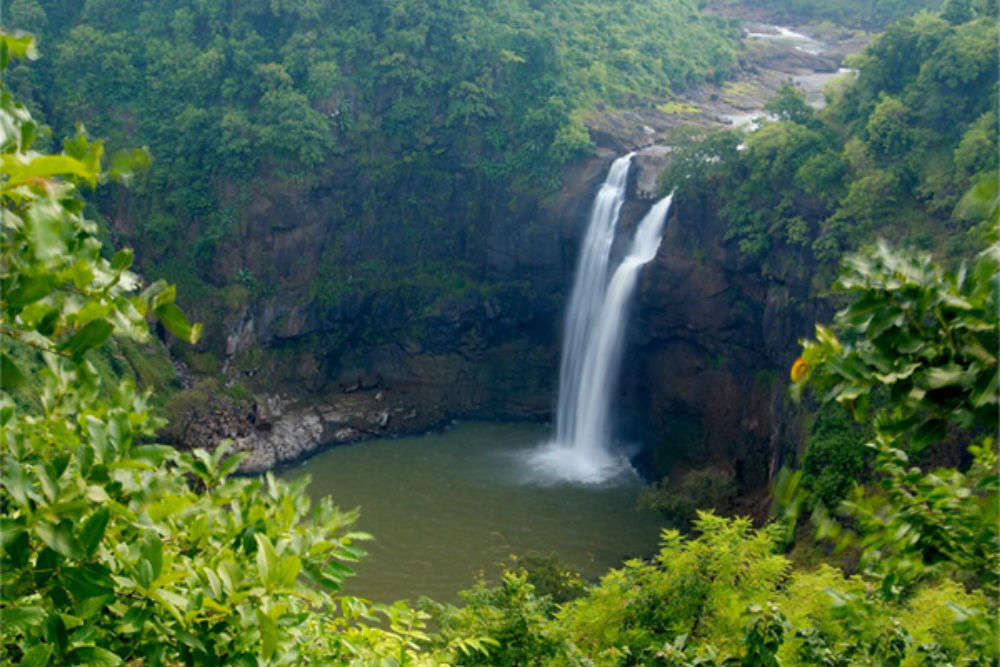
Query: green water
x=446 y=506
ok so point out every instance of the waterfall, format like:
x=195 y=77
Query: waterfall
x=595 y=333
x=588 y=289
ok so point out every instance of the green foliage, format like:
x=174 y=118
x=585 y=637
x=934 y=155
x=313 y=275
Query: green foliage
x=789 y=104
x=114 y=550
x=925 y=337
x=549 y=577
x=511 y=619
x=871 y=14
x=699 y=587
x=834 y=461
x=888 y=156
x=925 y=340
x=703 y=489
x=62 y=298
x=927 y=525
x=723 y=598
x=418 y=119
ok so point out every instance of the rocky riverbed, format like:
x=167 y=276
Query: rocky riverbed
x=808 y=57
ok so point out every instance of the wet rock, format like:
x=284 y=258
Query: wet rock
x=647 y=165
x=379 y=419
x=243 y=335
x=345 y=435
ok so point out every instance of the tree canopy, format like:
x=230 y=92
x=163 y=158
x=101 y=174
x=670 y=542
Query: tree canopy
x=409 y=121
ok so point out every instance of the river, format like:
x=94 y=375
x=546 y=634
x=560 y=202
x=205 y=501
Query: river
x=445 y=507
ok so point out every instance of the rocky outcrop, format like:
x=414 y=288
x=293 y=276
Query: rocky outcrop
x=705 y=381
x=646 y=166
x=286 y=431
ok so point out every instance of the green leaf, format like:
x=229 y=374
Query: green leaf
x=88 y=607
x=289 y=570
x=122 y=259
x=58 y=537
x=335 y=572
x=935 y=378
x=55 y=632
x=82 y=274
x=176 y=323
x=16 y=46
x=21 y=619
x=90 y=336
x=11 y=376
x=98 y=433
x=94 y=310
x=47 y=323
x=10 y=529
x=16 y=481
x=46 y=166
x=29 y=290
x=161 y=293
x=37 y=656
x=350 y=553
x=267 y=558
x=28 y=131
x=93 y=656
x=93 y=531
x=268 y=634
x=152 y=551
x=44 y=226
x=155 y=454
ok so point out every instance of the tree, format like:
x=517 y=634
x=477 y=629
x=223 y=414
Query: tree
x=789 y=103
x=922 y=337
x=114 y=549
x=914 y=354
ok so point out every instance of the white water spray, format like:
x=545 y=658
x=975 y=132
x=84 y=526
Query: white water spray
x=595 y=333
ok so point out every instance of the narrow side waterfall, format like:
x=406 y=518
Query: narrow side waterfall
x=595 y=332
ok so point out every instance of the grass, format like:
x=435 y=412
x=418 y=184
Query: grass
x=679 y=108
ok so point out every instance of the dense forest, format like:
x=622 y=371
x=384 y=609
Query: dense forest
x=882 y=544
x=416 y=120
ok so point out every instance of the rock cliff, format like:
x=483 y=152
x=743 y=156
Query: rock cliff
x=365 y=356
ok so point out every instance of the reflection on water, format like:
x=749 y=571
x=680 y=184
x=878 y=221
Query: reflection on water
x=445 y=507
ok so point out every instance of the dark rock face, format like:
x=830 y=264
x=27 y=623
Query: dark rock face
x=488 y=349
x=705 y=377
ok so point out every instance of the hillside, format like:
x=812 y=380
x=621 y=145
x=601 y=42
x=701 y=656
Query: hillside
x=403 y=124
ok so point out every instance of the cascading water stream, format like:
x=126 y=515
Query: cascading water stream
x=588 y=288
x=595 y=329
x=591 y=432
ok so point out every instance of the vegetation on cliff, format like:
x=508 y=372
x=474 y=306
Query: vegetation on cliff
x=890 y=155
x=401 y=124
